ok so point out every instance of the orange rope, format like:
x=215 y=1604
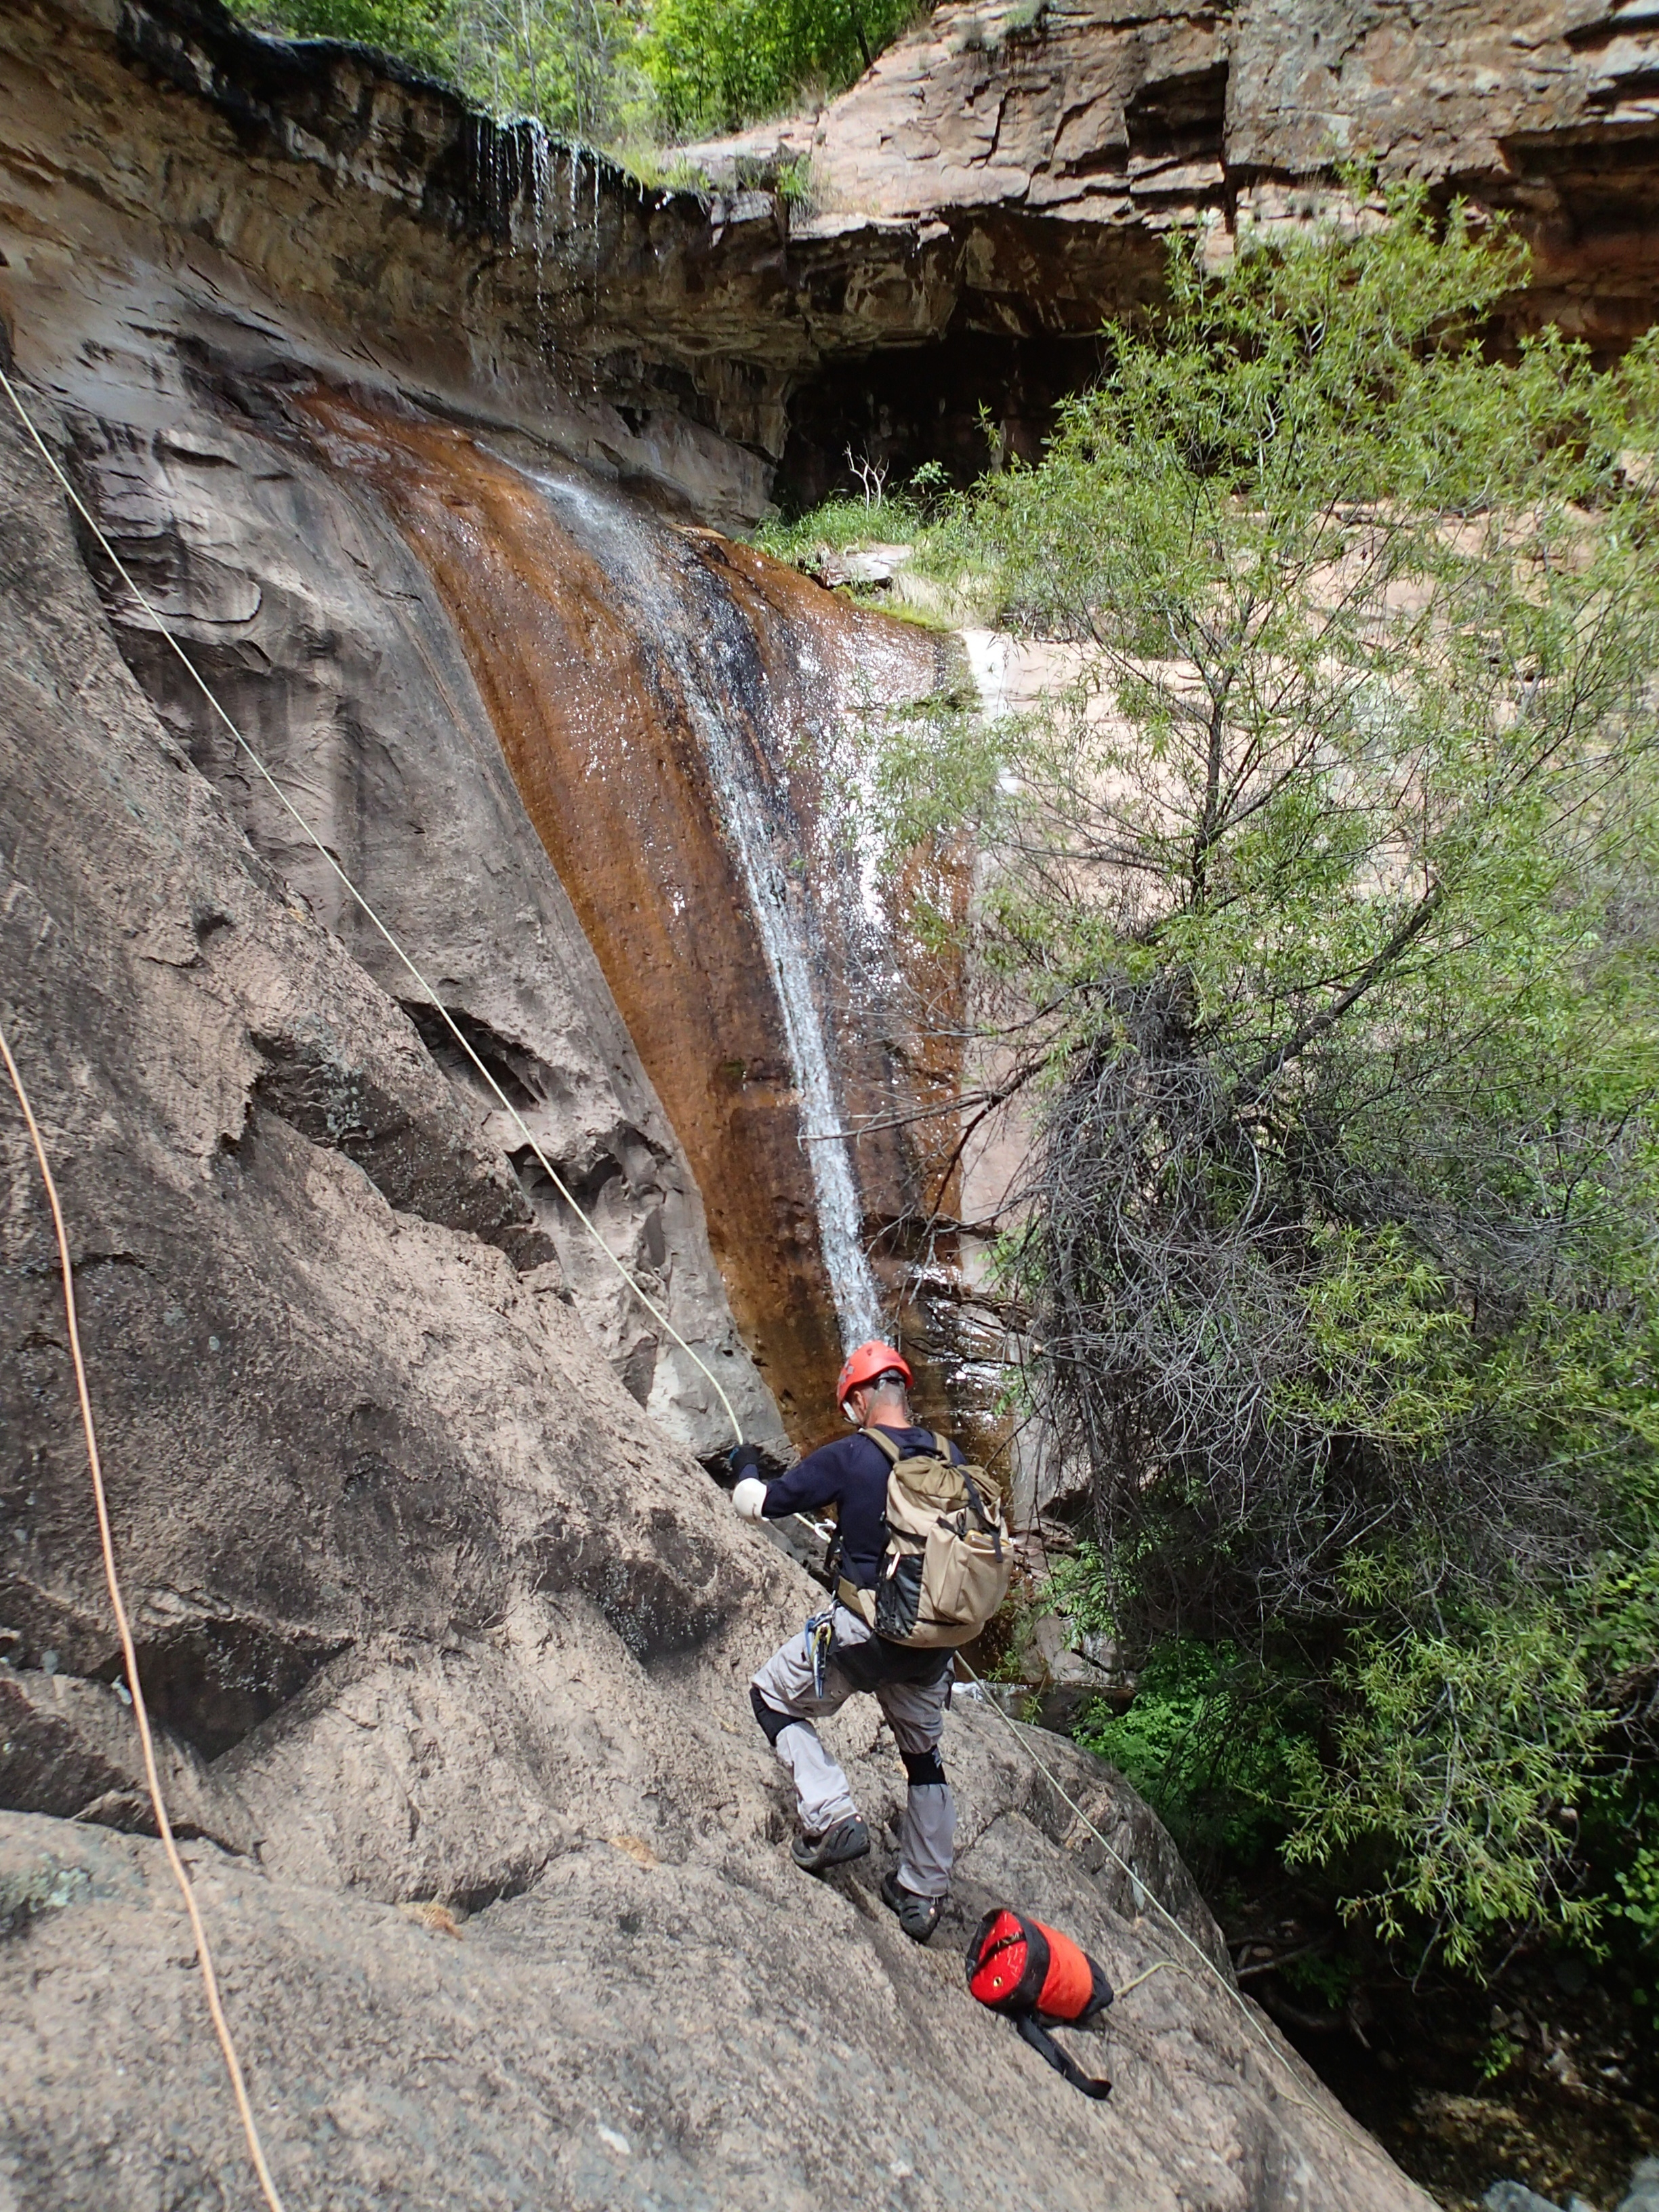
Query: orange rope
x=140 y=1712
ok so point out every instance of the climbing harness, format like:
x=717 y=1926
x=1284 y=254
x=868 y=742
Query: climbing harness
x=431 y=996
x=1021 y=1735
x=129 y=1655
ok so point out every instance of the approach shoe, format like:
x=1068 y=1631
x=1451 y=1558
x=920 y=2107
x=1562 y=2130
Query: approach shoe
x=842 y=1840
x=917 y=1915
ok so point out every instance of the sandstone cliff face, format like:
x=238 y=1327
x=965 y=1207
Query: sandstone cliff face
x=662 y=697
x=408 y=426
x=370 y=530
x=1006 y=179
x=1039 y=157
x=322 y=634
x=323 y=638
x=428 y=1607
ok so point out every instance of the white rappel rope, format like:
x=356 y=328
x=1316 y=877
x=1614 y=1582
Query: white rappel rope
x=288 y=807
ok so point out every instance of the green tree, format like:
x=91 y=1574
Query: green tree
x=1326 y=916
x=569 y=63
x=713 y=64
x=415 y=31
x=606 y=71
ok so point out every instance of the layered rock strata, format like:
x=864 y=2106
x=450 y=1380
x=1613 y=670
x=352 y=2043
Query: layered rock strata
x=428 y=1607
x=1007 y=177
x=323 y=638
x=398 y=640
x=669 y=702
x=1042 y=154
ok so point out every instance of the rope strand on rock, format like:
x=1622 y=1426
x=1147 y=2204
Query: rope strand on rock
x=129 y=1655
x=288 y=807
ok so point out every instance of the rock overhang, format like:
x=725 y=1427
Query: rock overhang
x=1003 y=175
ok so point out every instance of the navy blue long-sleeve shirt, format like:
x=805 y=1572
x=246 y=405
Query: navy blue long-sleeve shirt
x=850 y=1474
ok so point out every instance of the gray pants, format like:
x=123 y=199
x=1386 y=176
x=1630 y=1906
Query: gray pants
x=915 y=1713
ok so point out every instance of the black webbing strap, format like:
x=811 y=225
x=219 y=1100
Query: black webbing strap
x=1045 y=2046
x=981 y=1515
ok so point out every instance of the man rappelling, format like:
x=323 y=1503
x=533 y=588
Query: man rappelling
x=921 y=1559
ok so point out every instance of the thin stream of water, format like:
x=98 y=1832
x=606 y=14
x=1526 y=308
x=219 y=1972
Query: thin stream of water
x=763 y=840
x=695 y=639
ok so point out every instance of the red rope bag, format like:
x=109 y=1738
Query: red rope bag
x=1041 y=1979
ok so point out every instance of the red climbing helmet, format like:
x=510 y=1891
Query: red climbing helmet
x=864 y=1366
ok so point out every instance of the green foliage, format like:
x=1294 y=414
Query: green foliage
x=794 y=183
x=415 y=31
x=1325 y=920
x=1207 y=1749
x=618 y=71
x=1456 y=1755
x=1500 y=2054
x=1622 y=1849
x=835 y=526
x=713 y=64
x=1328 y=1975
x=572 y=63
x=1638 y=1896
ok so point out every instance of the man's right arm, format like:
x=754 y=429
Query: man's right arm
x=812 y=1483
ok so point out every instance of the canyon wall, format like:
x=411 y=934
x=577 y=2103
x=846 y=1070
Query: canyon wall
x=1006 y=179
x=416 y=431
x=430 y=1610
x=570 y=747
x=1034 y=160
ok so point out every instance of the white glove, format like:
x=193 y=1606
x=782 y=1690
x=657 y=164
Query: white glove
x=749 y=1498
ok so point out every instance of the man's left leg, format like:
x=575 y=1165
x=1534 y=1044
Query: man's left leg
x=786 y=1703
x=917 y=1889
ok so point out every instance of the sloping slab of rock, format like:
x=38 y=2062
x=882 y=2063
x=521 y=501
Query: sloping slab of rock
x=632 y=2032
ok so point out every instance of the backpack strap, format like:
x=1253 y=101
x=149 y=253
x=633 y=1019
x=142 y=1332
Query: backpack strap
x=977 y=1505
x=938 y=1447
x=1062 y=2061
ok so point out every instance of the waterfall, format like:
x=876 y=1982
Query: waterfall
x=706 y=644
x=688 y=724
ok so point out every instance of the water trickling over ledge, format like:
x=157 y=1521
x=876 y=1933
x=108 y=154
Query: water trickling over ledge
x=705 y=639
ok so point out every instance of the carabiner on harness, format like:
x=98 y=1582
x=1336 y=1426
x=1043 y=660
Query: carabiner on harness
x=820 y=1633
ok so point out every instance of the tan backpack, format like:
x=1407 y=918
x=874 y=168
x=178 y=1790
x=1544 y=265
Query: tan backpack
x=949 y=1557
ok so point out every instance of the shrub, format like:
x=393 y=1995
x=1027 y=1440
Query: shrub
x=1324 y=918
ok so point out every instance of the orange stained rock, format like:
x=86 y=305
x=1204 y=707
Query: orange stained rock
x=593 y=718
